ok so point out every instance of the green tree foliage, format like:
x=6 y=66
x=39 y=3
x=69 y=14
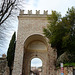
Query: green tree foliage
x=11 y=52
x=61 y=31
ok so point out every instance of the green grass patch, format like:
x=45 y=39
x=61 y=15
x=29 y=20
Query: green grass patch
x=69 y=64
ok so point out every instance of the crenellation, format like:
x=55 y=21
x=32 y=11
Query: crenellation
x=29 y=11
x=37 y=11
x=45 y=12
x=21 y=11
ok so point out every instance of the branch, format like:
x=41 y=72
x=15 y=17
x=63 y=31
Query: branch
x=7 y=8
x=1 y=11
x=6 y=16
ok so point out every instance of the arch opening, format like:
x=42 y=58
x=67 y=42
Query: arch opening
x=35 y=37
x=36 y=66
x=35 y=47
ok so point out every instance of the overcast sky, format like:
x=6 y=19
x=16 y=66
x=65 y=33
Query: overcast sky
x=36 y=62
x=58 y=5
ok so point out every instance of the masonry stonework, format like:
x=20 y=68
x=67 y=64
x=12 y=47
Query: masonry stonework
x=67 y=71
x=31 y=43
x=4 y=69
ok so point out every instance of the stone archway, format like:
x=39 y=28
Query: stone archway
x=30 y=32
x=36 y=66
x=35 y=47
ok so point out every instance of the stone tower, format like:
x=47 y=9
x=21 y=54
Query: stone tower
x=31 y=43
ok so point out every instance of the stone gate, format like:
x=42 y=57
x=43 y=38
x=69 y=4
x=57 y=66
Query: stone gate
x=31 y=43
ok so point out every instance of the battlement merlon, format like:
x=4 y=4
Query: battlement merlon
x=29 y=11
x=37 y=11
x=21 y=12
x=45 y=12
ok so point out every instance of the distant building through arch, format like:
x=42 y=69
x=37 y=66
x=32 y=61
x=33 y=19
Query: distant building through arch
x=36 y=66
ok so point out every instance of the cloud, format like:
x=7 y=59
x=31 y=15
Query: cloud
x=36 y=62
x=58 y=5
x=31 y=4
x=6 y=32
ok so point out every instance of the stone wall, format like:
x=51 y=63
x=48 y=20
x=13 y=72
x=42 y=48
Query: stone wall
x=30 y=29
x=4 y=70
x=67 y=71
x=2 y=65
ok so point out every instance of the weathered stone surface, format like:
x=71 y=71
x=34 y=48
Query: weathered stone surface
x=30 y=29
x=67 y=71
x=4 y=70
x=2 y=64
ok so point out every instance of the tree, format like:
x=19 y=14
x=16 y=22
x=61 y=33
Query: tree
x=9 y=10
x=6 y=8
x=61 y=31
x=11 y=52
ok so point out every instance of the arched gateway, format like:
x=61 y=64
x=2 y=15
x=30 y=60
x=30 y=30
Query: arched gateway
x=31 y=43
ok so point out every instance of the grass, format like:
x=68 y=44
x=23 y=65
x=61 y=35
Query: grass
x=69 y=64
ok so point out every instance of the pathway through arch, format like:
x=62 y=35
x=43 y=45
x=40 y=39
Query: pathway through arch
x=36 y=66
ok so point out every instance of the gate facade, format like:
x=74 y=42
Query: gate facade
x=31 y=43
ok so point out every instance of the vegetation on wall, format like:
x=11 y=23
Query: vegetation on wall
x=61 y=33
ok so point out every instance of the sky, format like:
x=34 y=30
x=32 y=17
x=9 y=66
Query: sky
x=58 y=5
x=7 y=29
x=36 y=62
